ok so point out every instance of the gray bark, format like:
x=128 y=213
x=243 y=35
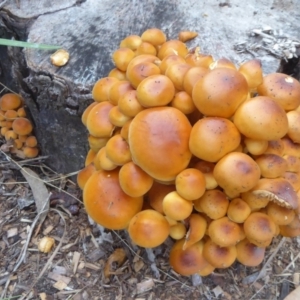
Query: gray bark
x=91 y=30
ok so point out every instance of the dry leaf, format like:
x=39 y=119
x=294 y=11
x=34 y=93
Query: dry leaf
x=39 y=191
x=118 y=257
x=145 y=286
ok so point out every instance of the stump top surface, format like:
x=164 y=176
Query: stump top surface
x=93 y=29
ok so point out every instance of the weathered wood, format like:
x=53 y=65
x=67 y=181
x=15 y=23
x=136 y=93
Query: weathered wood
x=91 y=30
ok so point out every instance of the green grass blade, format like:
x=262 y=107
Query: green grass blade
x=13 y=43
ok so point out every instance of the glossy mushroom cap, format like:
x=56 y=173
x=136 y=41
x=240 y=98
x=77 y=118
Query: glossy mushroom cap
x=154 y=36
x=279 y=214
x=259 y=229
x=102 y=87
x=10 y=101
x=22 y=126
x=261 y=118
x=211 y=138
x=220 y=92
x=213 y=203
x=217 y=256
x=190 y=184
x=84 y=174
x=294 y=126
x=155 y=90
x=176 y=207
x=277 y=190
x=236 y=173
x=271 y=165
x=157 y=194
x=249 y=254
x=172 y=47
x=158 y=141
x=284 y=89
x=238 y=210
x=189 y=261
x=106 y=203
x=224 y=232
x=134 y=181
x=148 y=228
x=253 y=73
x=97 y=122
x=197 y=227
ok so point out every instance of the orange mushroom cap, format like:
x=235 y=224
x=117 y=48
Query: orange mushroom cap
x=249 y=254
x=22 y=126
x=106 y=203
x=148 y=228
x=284 y=89
x=158 y=141
x=10 y=101
x=212 y=137
x=261 y=118
x=220 y=92
x=189 y=261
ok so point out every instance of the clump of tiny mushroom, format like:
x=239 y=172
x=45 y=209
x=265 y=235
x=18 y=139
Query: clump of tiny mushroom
x=16 y=127
x=197 y=149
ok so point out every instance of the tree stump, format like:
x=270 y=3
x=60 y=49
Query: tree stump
x=91 y=30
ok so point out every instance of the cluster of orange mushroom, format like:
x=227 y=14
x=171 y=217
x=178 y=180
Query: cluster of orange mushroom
x=197 y=149
x=16 y=128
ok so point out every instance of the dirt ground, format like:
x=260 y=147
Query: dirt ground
x=87 y=262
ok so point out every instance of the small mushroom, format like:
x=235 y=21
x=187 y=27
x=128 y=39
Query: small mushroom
x=84 y=174
x=157 y=194
x=155 y=90
x=259 y=229
x=22 y=126
x=271 y=165
x=212 y=138
x=190 y=184
x=262 y=118
x=238 y=210
x=177 y=231
x=154 y=36
x=97 y=122
x=197 y=228
x=172 y=47
x=236 y=173
x=252 y=70
x=106 y=203
x=217 y=256
x=117 y=150
x=148 y=228
x=249 y=254
x=220 y=92
x=189 y=261
x=101 y=88
x=185 y=36
x=213 y=203
x=133 y=180
x=279 y=214
x=122 y=57
x=284 y=89
x=10 y=101
x=278 y=190
x=60 y=58
x=224 y=232
x=176 y=207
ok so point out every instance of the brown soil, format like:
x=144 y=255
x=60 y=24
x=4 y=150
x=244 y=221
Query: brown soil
x=80 y=265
